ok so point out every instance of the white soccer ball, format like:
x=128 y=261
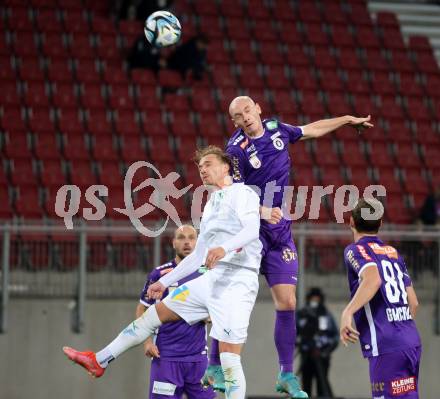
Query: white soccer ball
x=162 y=29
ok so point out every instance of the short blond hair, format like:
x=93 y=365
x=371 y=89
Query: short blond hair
x=212 y=150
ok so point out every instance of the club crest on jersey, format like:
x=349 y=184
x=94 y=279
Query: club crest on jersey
x=255 y=161
x=288 y=255
x=278 y=144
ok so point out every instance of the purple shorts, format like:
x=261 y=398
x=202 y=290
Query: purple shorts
x=395 y=375
x=171 y=379
x=279 y=263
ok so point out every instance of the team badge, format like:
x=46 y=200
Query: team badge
x=255 y=161
x=278 y=144
x=271 y=125
x=288 y=255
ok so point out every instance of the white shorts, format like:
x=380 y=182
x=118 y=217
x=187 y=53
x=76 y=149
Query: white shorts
x=226 y=294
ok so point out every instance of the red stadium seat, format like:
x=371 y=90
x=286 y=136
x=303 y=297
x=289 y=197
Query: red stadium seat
x=262 y=33
x=110 y=175
x=91 y=96
x=315 y=35
x=387 y=178
x=104 y=149
x=276 y=77
x=176 y=102
x=417 y=110
x=304 y=80
x=59 y=72
x=23 y=172
x=81 y=174
x=17 y=146
x=330 y=80
x=393 y=39
x=132 y=150
x=169 y=78
x=181 y=124
x=160 y=149
x=366 y=37
x=75 y=148
x=270 y=53
x=243 y=53
x=46 y=147
x=210 y=26
x=63 y=96
x=54 y=46
x=86 y=72
x=323 y=58
x=250 y=77
x=120 y=97
x=52 y=174
x=98 y=122
x=236 y=29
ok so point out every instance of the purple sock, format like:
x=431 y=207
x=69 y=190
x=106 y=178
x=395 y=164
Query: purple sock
x=214 y=355
x=285 y=337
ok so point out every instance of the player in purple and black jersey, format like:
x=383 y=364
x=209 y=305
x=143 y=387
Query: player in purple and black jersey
x=383 y=306
x=259 y=150
x=179 y=350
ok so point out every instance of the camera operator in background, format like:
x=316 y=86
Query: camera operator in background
x=317 y=338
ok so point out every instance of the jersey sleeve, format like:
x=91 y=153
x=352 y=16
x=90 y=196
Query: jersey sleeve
x=357 y=258
x=152 y=278
x=238 y=162
x=406 y=277
x=294 y=132
x=247 y=205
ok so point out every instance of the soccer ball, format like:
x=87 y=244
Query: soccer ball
x=162 y=29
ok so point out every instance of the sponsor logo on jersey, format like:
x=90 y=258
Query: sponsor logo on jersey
x=353 y=262
x=278 y=144
x=401 y=386
x=251 y=148
x=383 y=250
x=377 y=386
x=288 y=255
x=164 y=388
x=238 y=139
x=165 y=271
x=180 y=293
x=255 y=161
x=236 y=169
x=363 y=252
x=244 y=144
x=272 y=125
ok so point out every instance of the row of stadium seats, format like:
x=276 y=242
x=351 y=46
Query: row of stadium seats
x=71 y=113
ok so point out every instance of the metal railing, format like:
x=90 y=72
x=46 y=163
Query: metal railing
x=111 y=261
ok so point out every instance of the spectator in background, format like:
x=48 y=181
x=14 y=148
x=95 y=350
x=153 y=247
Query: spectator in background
x=143 y=55
x=317 y=338
x=430 y=212
x=190 y=56
x=147 y=7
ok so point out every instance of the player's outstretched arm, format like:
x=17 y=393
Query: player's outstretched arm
x=412 y=300
x=187 y=266
x=368 y=287
x=320 y=128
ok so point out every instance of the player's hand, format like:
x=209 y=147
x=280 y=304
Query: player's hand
x=214 y=255
x=156 y=290
x=346 y=332
x=360 y=123
x=271 y=215
x=151 y=349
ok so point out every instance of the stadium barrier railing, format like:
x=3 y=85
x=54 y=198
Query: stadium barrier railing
x=111 y=261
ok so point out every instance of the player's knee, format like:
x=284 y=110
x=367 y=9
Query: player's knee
x=286 y=303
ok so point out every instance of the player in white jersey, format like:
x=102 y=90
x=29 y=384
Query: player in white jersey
x=229 y=246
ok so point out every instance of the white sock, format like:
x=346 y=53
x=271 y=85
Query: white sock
x=134 y=334
x=235 y=380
